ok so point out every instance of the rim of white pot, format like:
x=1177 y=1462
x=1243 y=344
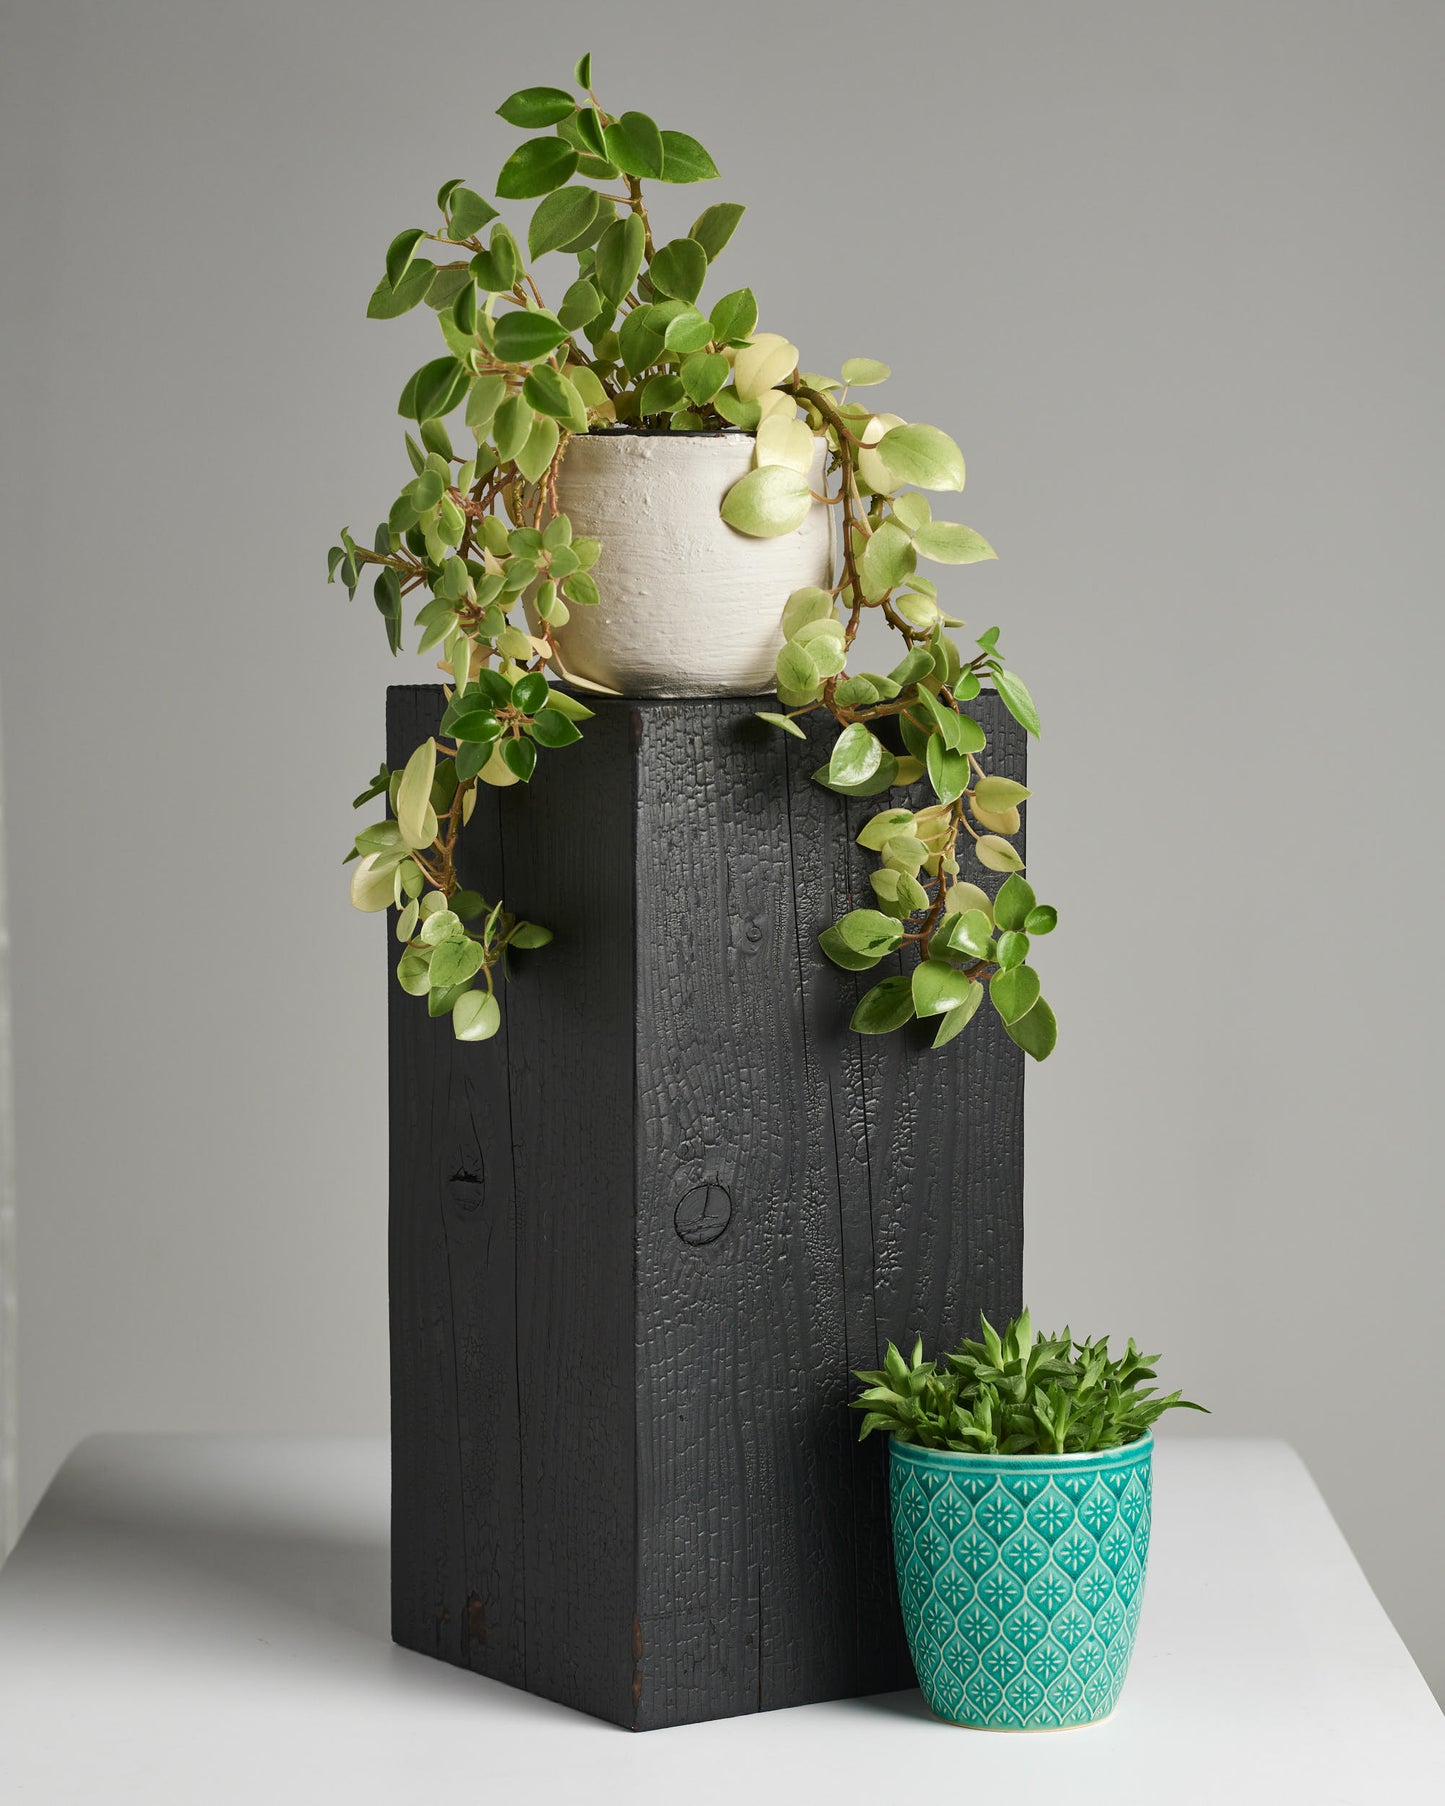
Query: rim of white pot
x=666 y=432
x=1074 y=1457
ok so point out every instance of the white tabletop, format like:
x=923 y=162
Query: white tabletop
x=198 y=1619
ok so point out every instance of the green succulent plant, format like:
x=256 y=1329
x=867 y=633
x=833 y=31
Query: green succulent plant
x=1016 y=1394
x=474 y=531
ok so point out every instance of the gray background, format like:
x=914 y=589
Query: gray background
x=1173 y=276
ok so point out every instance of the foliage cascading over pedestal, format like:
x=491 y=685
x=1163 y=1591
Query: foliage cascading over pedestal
x=475 y=532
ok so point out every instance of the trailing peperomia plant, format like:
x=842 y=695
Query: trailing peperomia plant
x=1016 y=1394
x=477 y=539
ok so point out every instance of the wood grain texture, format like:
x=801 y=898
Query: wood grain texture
x=621 y=1368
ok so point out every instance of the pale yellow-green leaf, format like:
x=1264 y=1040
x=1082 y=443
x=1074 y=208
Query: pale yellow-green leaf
x=513 y=643
x=414 y=814
x=871 y=467
x=922 y=611
x=945 y=542
x=442 y=925
x=372 y=890
x=406 y=921
x=863 y=372
x=888 y=557
x=476 y=1016
x=827 y=653
x=961 y=897
x=909 y=771
x=922 y=455
x=999 y=793
x=912 y=511
x=497 y=772
x=541 y=447
x=777 y=404
x=879 y=829
x=469 y=802
x=996 y=854
x=826 y=627
x=432 y=901
x=959 y=1017
x=805 y=605
x=786 y=442
x=414 y=971
x=997 y=821
x=904 y=853
x=764 y=363
x=768 y=502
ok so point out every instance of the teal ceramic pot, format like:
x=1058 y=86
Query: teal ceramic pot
x=1021 y=1579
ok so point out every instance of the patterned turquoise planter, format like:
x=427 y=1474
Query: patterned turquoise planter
x=1021 y=1579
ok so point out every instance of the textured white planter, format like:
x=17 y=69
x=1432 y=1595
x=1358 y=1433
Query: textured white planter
x=690 y=606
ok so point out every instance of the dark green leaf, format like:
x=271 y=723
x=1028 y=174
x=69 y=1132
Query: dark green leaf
x=551 y=393
x=580 y=304
x=552 y=728
x=536 y=167
x=590 y=133
x=715 y=225
x=887 y=1006
x=1014 y=901
x=1037 y=1032
x=684 y=159
x=534 y=107
x=634 y=144
x=387 y=593
x=494 y=687
x=464 y=308
x=476 y=724
x=1016 y=699
x=523 y=336
x=400 y=252
x=662 y=394
x=435 y=390
x=530 y=692
x=687 y=331
x=679 y=268
x=948 y=772
x=520 y=758
x=562 y=217
x=387 y=302
x=1015 y=992
x=736 y=315
x=472 y=755
x=468 y=213
x=619 y=256
x=703 y=374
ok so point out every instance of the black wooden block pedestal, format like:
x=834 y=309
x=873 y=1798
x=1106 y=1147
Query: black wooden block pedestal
x=640 y=1239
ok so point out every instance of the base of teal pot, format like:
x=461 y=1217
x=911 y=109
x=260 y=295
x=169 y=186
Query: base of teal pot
x=1021 y=1579
x=1021 y=1730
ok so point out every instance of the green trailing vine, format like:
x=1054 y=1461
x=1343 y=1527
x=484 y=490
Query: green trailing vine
x=1016 y=1394
x=475 y=540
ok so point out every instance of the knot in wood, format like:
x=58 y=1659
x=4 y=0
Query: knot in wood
x=702 y=1214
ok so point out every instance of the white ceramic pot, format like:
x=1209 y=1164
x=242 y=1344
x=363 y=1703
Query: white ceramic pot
x=689 y=606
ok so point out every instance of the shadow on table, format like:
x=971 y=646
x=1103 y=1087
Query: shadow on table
x=236 y=1536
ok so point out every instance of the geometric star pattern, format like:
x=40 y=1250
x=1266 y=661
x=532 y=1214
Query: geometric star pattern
x=1021 y=1579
